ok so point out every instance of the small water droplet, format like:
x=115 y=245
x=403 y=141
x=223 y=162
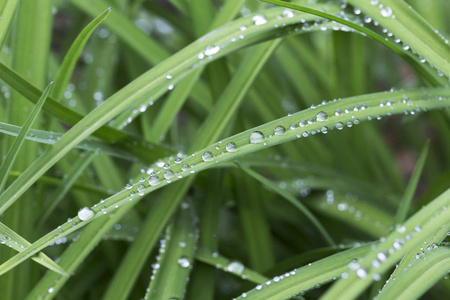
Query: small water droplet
x=231 y=147
x=184 y=262
x=386 y=12
x=235 y=267
x=280 y=130
x=287 y=13
x=168 y=174
x=259 y=20
x=85 y=213
x=207 y=156
x=211 y=50
x=256 y=137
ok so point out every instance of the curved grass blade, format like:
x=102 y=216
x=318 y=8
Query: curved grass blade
x=230 y=266
x=176 y=257
x=180 y=65
x=50 y=138
x=7 y=163
x=421 y=227
x=405 y=203
x=77 y=169
x=410 y=58
x=403 y=21
x=372 y=106
x=146 y=151
x=361 y=215
x=419 y=276
x=294 y=201
x=7 y=10
x=18 y=243
x=68 y=64
x=308 y=277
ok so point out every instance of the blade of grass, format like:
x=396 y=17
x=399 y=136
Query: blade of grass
x=176 y=257
x=420 y=276
x=405 y=203
x=243 y=146
x=68 y=64
x=18 y=243
x=294 y=201
x=8 y=162
x=7 y=11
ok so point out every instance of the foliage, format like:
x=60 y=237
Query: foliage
x=224 y=149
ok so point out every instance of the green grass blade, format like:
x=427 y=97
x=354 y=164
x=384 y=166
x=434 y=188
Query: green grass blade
x=230 y=266
x=302 y=279
x=7 y=10
x=18 y=243
x=176 y=257
x=405 y=204
x=406 y=55
x=402 y=20
x=50 y=138
x=294 y=201
x=241 y=143
x=420 y=227
x=78 y=168
x=68 y=64
x=8 y=162
x=419 y=276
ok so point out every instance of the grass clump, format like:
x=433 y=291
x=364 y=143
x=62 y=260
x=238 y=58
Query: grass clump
x=224 y=149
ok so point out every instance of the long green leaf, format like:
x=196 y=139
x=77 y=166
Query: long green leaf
x=7 y=163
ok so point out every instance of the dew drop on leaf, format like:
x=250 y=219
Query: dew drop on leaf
x=321 y=116
x=207 y=156
x=231 y=147
x=259 y=20
x=184 y=262
x=85 y=213
x=235 y=267
x=386 y=12
x=280 y=130
x=256 y=137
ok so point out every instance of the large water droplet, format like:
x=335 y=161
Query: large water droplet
x=231 y=147
x=339 y=125
x=256 y=137
x=386 y=12
x=361 y=273
x=184 y=262
x=235 y=267
x=259 y=20
x=280 y=130
x=168 y=174
x=321 y=116
x=85 y=213
x=211 y=50
x=207 y=156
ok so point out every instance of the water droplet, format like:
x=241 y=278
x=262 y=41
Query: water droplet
x=169 y=76
x=154 y=180
x=211 y=50
x=259 y=20
x=288 y=13
x=128 y=186
x=381 y=256
x=207 y=156
x=361 y=273
x=168 y=174
x=231 y=147
x=339 y=125
x=386 y=12
x=280 y=130
x=170 y=87
x=256 y=137
x=85 y=213
x=184 y=167
x=184 y=262
x=235 y=267
x=50 y=290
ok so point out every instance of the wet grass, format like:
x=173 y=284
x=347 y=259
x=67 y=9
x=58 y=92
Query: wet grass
x=234 y=149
